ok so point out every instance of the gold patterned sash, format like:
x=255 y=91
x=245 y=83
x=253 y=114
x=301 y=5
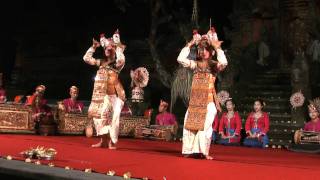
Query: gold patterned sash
x=202 y=92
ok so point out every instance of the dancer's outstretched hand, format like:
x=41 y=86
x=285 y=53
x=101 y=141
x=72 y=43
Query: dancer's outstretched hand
x=95 y=43
x=191 y=43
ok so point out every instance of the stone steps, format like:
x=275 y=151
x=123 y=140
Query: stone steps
x=270 y=93
x=274 y=75
x=263 y=81
x=269 y=108
x=270 y=87
x=270 y=101
x=275 y=89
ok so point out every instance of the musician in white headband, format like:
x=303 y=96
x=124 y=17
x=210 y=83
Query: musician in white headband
x=108 y=94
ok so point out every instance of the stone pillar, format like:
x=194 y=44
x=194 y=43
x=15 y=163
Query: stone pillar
x=300 y=82
x=294 y=18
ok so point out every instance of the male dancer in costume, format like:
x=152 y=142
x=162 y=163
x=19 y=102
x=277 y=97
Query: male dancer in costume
x=108 y=94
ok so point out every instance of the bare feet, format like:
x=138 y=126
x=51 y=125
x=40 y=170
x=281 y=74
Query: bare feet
x=99 y=144
x=209 y=157
x=112 y=145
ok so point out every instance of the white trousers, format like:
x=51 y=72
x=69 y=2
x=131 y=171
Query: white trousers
x=199 y=141
x=109 y=121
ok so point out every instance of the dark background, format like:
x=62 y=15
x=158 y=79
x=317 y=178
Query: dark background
x=52 y=36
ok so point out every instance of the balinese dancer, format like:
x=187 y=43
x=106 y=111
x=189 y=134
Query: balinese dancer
x=108 y=94
x=182 y=80
x=203 y=103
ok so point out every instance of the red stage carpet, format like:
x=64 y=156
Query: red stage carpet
x=156 y=160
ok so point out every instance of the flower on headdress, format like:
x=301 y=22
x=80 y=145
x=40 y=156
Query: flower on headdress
x=223 y=96
x=297 y=99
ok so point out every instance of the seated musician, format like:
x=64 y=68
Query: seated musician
x=72 y=104
x=165 y=118
x=308 y=138
x=41 y=112
x=314 y=110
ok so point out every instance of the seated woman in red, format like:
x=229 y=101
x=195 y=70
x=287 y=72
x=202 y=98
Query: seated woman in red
x=257 y=126
x=230 y=125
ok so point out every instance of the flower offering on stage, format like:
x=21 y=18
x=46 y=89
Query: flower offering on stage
x=40 y=153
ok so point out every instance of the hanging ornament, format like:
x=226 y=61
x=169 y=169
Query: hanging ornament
x=194 y=17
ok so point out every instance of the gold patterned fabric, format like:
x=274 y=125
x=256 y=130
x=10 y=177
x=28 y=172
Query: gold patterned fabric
x=202 y=92
x=16 y=118
x=72 y=123
x=105 y=78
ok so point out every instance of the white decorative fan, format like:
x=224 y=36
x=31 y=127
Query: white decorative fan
x=223 y=96
x=297 y=99
x=139 y=77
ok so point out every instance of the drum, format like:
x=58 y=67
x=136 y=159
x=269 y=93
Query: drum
x=306 y=137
